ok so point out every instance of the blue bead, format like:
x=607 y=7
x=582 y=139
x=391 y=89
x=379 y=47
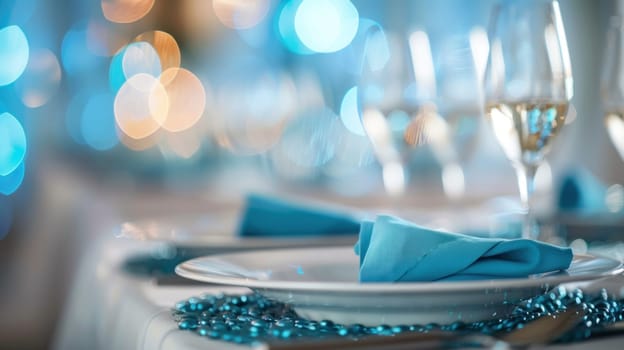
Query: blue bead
x=187 y=324
x=258 y=323
x=431 y=326
x=456 y=326
x=214 y=335
x=284 y=323
x=238 y=339
x=398 y=329
x=242 y=319
x=181 y=306
x=326 y=324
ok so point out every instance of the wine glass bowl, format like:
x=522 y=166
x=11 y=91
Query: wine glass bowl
x=527 y=87
x=408 y=101
x=612 y=84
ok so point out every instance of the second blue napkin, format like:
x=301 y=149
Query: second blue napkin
x=394 y=250
x=272 y=217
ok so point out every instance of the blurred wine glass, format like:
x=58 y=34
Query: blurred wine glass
x=412 y=95
x=612 y=85
x=527 y=87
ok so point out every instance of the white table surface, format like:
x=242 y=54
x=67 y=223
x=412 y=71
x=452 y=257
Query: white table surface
x=110 y=309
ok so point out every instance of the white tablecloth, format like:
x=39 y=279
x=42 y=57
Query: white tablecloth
x=110 y=309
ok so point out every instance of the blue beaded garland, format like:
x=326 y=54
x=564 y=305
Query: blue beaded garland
x=249 y=319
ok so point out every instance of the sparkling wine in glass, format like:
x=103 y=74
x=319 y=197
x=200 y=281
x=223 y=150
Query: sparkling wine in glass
x=612 y=85
x=527 y=87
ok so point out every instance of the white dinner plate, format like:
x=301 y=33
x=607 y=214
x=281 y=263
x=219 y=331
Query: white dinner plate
x=322 y=283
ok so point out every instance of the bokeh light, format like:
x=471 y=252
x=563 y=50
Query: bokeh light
x=166 y=46
x=240 y=14
x=77 y=52
x=135 y=58
x=12 y=144
x=40 y=80
x=349 y=114
x=13 y=54
x=12 y=181
x=326 y=25
x=98 y=124
x=141 y=57
x=17 y=11
x=286 y=28
x=116 y=76
x=186 y=98
x=141 y=106
x=126 y=11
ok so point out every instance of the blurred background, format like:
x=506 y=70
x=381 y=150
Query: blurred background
x=116 y=109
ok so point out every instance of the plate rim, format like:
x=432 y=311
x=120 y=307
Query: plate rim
x=192 y=273
x=172 y=232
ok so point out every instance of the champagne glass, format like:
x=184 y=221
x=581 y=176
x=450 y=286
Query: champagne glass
x=527 y=87
x=612 y=84
x=409 y=100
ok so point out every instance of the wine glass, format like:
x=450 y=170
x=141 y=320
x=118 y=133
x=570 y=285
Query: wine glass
x=414 y=95
x=527 y=87
x=612 y=84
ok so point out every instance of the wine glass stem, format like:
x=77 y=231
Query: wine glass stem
x=526 y=183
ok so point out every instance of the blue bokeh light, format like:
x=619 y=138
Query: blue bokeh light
x=116 y=76
x=11 y=182
x=17 y=11
x=12 y=144
x=326 y=25
x=75 y=53
x=14 y=53
x=98 y=122
x=286 y=28
x=349 y=112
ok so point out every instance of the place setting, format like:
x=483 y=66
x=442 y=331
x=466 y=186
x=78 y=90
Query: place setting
x=414 y=283
x=311 y=174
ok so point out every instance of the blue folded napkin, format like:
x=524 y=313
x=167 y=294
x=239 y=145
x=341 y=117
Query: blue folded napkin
x=271 y=217
x=394 y=250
